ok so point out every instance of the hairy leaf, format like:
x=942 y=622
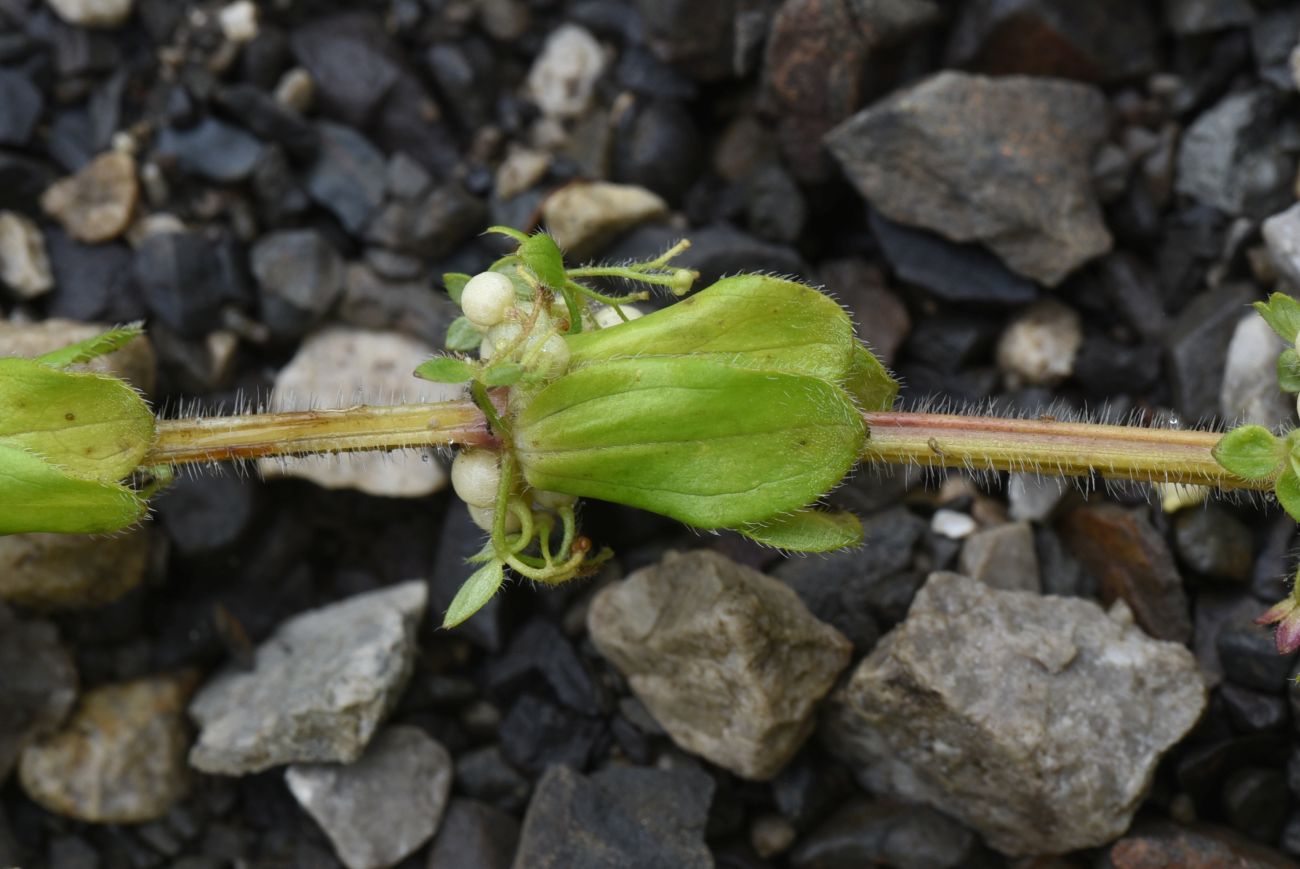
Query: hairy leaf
x=474 y=593
x=1252 y=452
x=462 y=335
x=541 y=255
x=1282 y=313
x=455 y=283
x=92 y=348
x=808 y=531
x=1287 y=489
x=35 y=495
x=446 y=369
x=1288 y=371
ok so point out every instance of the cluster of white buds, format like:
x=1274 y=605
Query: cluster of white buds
x=510 y=326
x=476 y=479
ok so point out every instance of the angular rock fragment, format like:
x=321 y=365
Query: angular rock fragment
x=727 y=660
x=319 y=687
x=95 y=204
x=1037 y=721
x=1005 y=161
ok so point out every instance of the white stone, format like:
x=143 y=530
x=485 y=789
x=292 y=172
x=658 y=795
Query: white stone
x=564 y=75
x=1033 y=498
x=24 y=265
x=1250 y=393
x=92 y=13
x=584 y=216
x=239 y=21
x=1039 y=347
x=952 y=524
x=339 y=366
x=520 y=170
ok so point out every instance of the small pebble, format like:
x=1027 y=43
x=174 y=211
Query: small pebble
x=95 y=204
x=24 y=265
x=1039 y=347
x=771 y=835
x=239 y=21
x=563 y=78
x=952 y=524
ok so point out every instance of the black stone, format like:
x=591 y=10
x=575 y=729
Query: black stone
x=207 y=514
x=373 y=302
x=536 y=733
x=840 y=587
x=1197 y=346
x=474 y=834
x=458 y=539
x=92 y=282
x=1061 y=572
x=352 y=61
x=809 y=787
x=21 y=104
x=22 y=181
x=300 y=276
x=1106 y=367
x=1255 y=802
x=212 y=149
x=1132 y=291
x=431 y=226
x=1249 y=656
x=1272 y=36
x=541 y=654
x=953 y=272
x=715 y=251
x=1191 y=240
x=71 y=138
x=265 y=58
x=642 y=73
x=1213 y=542
x=775 y=206
x=621 y=816
x=485 y=775
x=280 y=196
x=950 y=342
x=658 y=147
x=885 y=833
x=1251 y=711
x=183 y=281
x=463 y=73
x=347 y=177
x=259 y=112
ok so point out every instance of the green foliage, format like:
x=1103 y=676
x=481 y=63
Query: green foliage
x=477 y=591
x=447 y=369
x=462 y=335
x=1282 y=313
x=455 y=283
x=808 y=531
x=1288 y=371
x=1252 y=452
x=68 y=439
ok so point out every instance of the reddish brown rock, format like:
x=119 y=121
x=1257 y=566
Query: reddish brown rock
x=1165 y=845
x=1133 y=563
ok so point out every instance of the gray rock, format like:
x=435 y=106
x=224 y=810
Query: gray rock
x=38 y=684
x=1033 y=498
x=474 y=834
x=347 y=177
x=1039 y=347
x=886 y=833
x=1186 y=17
x=215 y=150
x=966 y=156
x=620 y=816
x=727 y=660
x=1002 y=557
x=319 y=687
x=1282 y=235
x=24 y=264
x=1250 y=393
x=384 y=806
x=1229 y=158
x=370 y=301
x=21 y=104
x=71 y=571
x=1196 y=350
x=429 y=226
x=121 y=757
x=297 y=269
x=1037 y=721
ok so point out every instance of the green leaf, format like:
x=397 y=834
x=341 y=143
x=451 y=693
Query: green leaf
x=93 y=348
x=1287 y=489
x=509 y=231
x=462 y=335
x=35 y=495
x=1252 y=452
x=503 y=374
x=750 y=321
x=1282 y=313
x=1288 y=370
x=446 y=369
x=807 y=530
x=710 y=444
x=455 y=283
x=91 y=426
x=541 y=255
x=869 y=382
x=476 y=591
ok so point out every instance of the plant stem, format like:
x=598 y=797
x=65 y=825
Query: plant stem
x=1050 y=447
x=296 y=433
x=1042 y=446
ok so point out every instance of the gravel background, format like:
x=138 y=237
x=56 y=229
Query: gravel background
x=1040 y=204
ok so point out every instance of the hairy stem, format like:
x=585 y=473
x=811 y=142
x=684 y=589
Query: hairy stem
x=295 y=433
x=1050 y=447
x=1043 y=446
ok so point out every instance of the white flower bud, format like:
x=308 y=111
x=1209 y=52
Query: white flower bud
x=498 y=338
x=552 y=500
x=476 y=476
x=553 y=356
x=486 y=298
x=605 y=316
x=483 y=517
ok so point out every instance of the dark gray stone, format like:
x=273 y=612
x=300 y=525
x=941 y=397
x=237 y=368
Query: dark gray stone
x=887 y=833
x=1249 y=656
x=536 y=733
x=540 y=654
x=352 y=61
x=183 y=281
x=775 y=209
x=300 y=275
x=621 y=816
x=92 y=282
x=1213 y=542
x=1255 y=803
x=1003 y=161
x=1187 y=17
x=1231 y=158
x=1110 y=40
x=258 y=111
x=411 y=307
x=1273 y=35
x=21 y=104
x=431 y=226
x=484 y=774
x=38 y=684
x=1197 y=346
x=954 y=272
x=347 y=177
x=474 y=834
x=658 y=147
x=1253 y=711
x=203 y=515
x=213 y=149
